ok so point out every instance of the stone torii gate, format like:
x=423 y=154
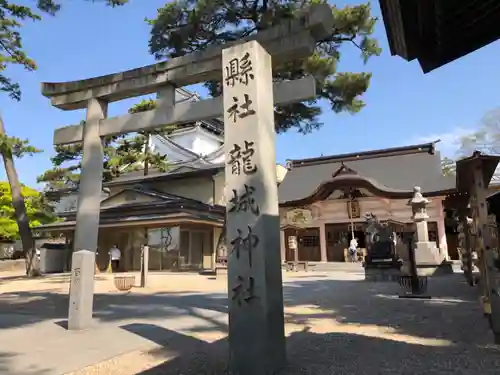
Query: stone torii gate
x=257 y=331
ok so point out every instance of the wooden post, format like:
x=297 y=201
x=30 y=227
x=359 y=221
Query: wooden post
x=484 y=248
x=464 y=238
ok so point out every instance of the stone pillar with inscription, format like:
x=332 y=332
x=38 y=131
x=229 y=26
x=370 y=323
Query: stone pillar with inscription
x=81 y=290
x=256 y=321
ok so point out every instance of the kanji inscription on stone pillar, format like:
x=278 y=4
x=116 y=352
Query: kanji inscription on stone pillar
x=256 y=333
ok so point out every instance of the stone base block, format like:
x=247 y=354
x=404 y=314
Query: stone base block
x=427 y=252
x=443 y=269
x=382 y=274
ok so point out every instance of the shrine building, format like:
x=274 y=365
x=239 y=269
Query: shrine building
x=323 y=200
x=180 y=213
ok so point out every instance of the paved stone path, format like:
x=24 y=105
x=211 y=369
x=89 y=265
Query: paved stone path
x=336 y=324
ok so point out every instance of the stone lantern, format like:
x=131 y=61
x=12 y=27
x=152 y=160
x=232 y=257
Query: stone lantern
x=419 y=209
x=428 y=258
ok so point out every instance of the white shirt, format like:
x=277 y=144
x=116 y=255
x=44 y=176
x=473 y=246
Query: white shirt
x=354 y=244
x=115 y=253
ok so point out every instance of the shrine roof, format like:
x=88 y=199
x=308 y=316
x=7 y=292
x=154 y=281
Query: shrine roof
x=465 y=169
x=171 y=218
x=394 y=171
x=162 y=207
x=439 y=31
x=181 y=170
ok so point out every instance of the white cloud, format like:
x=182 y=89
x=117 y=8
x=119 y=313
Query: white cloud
x=450 y=141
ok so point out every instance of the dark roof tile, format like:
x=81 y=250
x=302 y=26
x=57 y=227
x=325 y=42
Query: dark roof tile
x=396 y=168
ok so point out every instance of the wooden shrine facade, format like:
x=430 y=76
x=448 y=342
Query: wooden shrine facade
x=323 y=201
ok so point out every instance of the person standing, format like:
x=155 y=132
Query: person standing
x=353 y=249
x=115 y=255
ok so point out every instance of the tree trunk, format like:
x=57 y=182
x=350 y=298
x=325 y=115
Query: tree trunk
x=32 y=263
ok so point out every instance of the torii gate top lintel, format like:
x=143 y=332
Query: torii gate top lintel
x=293 y=38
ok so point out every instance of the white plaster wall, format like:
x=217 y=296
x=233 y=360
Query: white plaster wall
x=184 y=140
x=204 y=145
x=197 y=141
x=281 y=172
x=219 y=160
x=174 y=154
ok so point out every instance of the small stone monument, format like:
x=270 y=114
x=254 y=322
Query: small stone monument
x=81 y=290
x=428 y=257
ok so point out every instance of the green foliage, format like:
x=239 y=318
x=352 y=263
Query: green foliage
x=122 y=154
x=485 y=139
x=135 y=150
x=143 y=106
x=13 y=146
x=11 y=44
x=67 y=164
x=185 y=26
x=448 y=167
x=38 y=210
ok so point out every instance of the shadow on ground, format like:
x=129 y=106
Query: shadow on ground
x=350 y=302
x=331 y=353
x=6 y=358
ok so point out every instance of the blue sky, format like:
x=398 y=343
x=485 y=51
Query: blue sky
x=404 y=106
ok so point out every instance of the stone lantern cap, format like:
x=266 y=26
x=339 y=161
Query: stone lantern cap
x=418 y=205
x=418 y=199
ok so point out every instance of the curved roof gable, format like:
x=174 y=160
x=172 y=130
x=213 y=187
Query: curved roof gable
x=391 y=172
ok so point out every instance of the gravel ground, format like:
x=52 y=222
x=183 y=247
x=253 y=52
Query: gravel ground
x=337 y=324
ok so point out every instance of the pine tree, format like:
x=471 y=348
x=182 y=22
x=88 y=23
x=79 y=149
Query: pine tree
x=185 y=26
x=138 y=147
x=12 y=53
x=448 y=167
x=122 y=154
x=11 y=147
x=67 y=164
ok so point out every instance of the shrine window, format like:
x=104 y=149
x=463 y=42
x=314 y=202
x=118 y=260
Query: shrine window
x=309 y=241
